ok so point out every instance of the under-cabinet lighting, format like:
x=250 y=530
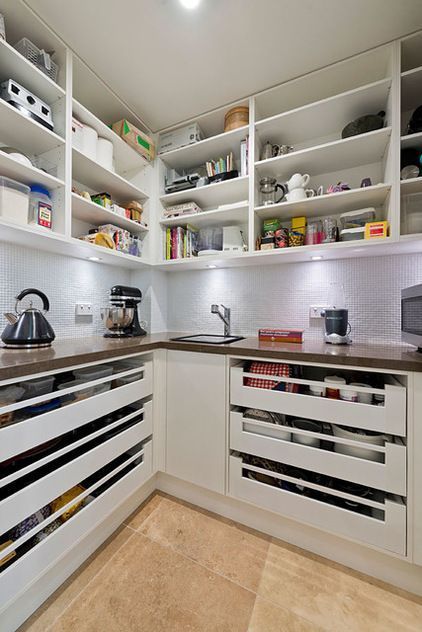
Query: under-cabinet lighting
x=190 y=4
x=211 y=266
x=316 y=258
x=94 y=258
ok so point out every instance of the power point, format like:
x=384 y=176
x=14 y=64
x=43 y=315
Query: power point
x=317 y=311
x=83 y=309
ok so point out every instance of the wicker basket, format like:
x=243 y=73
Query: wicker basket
x=38 y=57
x=236 y=117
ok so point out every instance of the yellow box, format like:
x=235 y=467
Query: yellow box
x=376 y=230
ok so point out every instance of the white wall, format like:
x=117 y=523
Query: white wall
x=280 y=295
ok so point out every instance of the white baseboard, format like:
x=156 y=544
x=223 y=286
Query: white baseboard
x=360 y=558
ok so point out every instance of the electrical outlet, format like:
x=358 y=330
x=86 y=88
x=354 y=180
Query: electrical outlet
x=317 y=311
x=83 y=309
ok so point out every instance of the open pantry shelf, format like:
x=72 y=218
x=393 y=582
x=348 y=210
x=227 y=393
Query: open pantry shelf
x=411 y=140
x=320 y=205
x=413 y=185
x=13 y=64
x=411 y=85
x=126 y=158
x=211 y=195
x=24 y=133
x=207 y=149
x=87 y=211
x=92 y=174
x=11 y=168
x=323 y=118
x=84 y=250
x=218 y=217
x=344 y=153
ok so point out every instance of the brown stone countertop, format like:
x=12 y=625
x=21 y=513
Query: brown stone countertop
x=68 y=352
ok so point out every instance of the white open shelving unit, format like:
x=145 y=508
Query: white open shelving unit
x=308 y=113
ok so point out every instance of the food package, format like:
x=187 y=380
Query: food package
x=142 y=143
x=135 y=210
x=99 y=239
x=120 y=236
x=299 y=224
x=376 y=230
x=62 y=500
x=103 y=199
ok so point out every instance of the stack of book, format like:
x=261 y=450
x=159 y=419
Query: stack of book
x=181 y=243
x=222 y=165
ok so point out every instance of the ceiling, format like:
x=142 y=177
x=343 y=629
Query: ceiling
x=171 y=64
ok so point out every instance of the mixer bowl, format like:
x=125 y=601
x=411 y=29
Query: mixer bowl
x=117 y=317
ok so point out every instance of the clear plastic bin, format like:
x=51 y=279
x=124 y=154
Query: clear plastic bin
x=357 y=219
x=352 y=234
x=39 y=386
x=14 y=201
x=91 y=373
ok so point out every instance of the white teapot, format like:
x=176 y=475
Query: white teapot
x=297 y=181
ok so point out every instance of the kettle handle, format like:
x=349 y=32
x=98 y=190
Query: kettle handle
x=31 y=290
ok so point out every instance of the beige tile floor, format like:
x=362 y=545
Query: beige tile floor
x=173 y=567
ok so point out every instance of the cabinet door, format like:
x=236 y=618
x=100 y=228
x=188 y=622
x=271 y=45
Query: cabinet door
x=196 y=418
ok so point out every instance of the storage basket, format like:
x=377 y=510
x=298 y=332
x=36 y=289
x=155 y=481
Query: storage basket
x=38 y=57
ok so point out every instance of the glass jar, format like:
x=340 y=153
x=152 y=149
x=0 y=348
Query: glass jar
x=329 y=230
x=40 y=207
x=268 y=189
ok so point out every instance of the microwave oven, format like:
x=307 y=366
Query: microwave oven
x=411 y=315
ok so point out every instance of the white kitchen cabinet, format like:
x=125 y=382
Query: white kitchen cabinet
x=196 y=418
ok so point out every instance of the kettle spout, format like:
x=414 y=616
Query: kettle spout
x=12 y=318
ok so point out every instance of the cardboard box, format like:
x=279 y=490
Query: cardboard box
x=281 y=335
x=179 y=138
x=142 y=143
x=376 y=230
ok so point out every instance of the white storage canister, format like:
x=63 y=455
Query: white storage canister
x=90 y=137
x=105 y=153
x=40 y=208
x=316 y=391
x=14 y=201
x=349 y=396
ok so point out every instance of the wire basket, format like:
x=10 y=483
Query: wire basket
x=38 y=57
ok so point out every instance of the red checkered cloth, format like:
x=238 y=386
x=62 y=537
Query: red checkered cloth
x=266 y=368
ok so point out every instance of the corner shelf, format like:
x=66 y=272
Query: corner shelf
x=93 y=175
x=211 y=195
x=92 y=213
x=218 y=217
x=11 y=168
x=207 y=149
x=334 y=203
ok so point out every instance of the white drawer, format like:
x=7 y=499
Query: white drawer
x=30 y=567
x=388 y=534
x=24 y=435
x=390 y=418
x=252 y=437
x=31 y=498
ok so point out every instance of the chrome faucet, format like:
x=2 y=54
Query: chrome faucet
x=225 y=317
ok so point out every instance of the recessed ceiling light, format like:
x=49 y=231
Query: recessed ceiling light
x=211 y=266
x=94 y=258
x=190 y=4
x=316 y=258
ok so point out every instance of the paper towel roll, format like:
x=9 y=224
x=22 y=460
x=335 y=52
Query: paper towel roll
x=90 y=137
x=105 y=153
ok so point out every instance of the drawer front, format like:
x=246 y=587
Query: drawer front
x=27 y=434
x=388 y=534
x=252 y=437
x=31 y=498
x=390 y=418
x=14 y=579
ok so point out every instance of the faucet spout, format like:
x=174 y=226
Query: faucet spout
x=225 y=317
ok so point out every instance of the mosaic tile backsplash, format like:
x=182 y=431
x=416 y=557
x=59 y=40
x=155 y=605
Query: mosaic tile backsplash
x=276 y=295
x=280 y=295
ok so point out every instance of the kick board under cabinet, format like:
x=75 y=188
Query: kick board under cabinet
x=362 y=498
x=99 y=438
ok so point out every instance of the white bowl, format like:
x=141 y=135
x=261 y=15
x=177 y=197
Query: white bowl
x=311 y=426
x=358 y=451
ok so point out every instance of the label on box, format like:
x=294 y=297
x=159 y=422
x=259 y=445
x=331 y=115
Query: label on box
x=44 y=215
x=281 y=335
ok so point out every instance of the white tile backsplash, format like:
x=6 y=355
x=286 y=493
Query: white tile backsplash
x=276 y=295
x=280 y=295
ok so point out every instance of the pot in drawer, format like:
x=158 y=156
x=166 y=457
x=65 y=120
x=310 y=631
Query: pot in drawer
x=275 y=419
x=365 y=436
x=309 y=426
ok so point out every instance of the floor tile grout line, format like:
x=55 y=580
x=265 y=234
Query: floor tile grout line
x=90 y=581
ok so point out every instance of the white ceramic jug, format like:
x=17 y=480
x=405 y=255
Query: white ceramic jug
x=297 y=181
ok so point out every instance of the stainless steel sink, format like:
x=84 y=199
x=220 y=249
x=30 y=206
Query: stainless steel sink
x=209 y=339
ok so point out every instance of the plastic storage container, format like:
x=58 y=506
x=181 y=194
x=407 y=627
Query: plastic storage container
x=39 y=386
x=40 y=207
x=352 y=234
x=91 y=373
x=210 y=239
x=14 y=201
x=357 y=219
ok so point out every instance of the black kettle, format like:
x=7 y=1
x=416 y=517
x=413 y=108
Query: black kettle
x=30 y=328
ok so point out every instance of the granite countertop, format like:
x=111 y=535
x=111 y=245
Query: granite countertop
x=69 y=352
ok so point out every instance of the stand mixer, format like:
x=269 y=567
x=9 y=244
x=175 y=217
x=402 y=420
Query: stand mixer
x=121 y=317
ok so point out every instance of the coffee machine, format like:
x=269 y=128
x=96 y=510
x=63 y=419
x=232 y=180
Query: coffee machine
x=121 y=317
x=336 y=317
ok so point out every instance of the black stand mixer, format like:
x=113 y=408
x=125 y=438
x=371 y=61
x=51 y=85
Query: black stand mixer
x=121 y=317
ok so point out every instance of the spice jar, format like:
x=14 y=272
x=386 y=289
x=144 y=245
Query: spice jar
x=349 y=396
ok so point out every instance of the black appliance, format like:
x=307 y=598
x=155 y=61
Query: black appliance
x=121 y=317
x=30 y=328
x=337 y=327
